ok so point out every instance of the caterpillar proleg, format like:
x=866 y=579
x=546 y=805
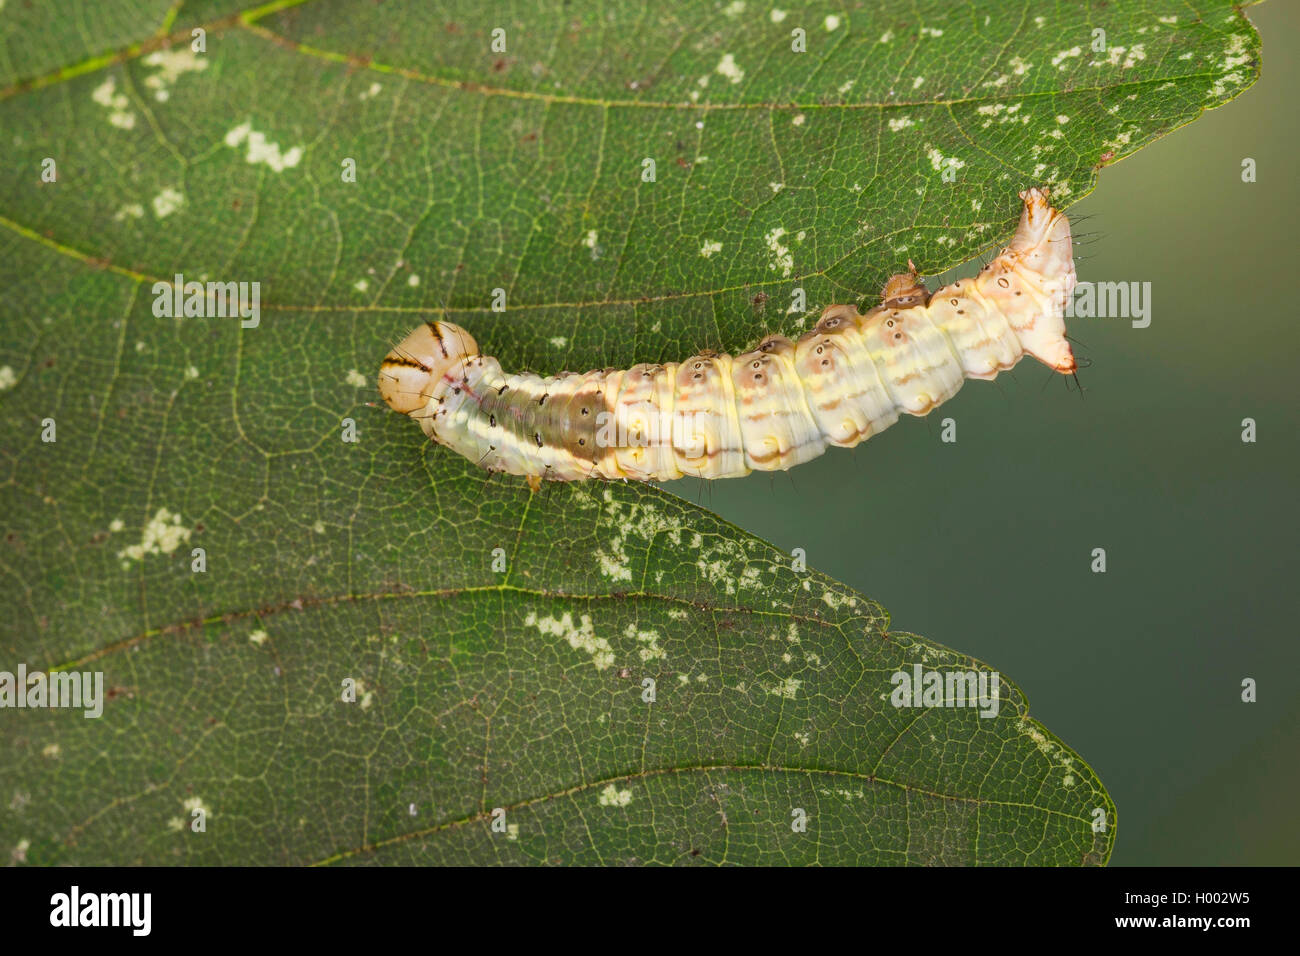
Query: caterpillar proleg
x=776 y=406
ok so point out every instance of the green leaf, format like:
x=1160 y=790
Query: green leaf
x=326 y=560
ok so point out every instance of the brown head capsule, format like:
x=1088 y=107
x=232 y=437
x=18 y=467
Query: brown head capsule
x=411 y=370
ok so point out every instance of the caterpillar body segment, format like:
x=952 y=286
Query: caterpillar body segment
x=769 y=409
x=777 y=427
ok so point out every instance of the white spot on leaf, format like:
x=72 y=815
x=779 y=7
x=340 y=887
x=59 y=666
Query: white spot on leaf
x=651 y=651
x=118 y=105
x=781 y=259
x=1064 y=55
x=581 y=637
x=171 y=64
x=939 y=161
x=727 y=67
x=788 y=688
x=162 y=535
x=167 y=202
x=262 y=150
x=611 y=796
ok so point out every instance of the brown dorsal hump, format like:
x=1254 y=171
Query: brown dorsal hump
x=904 y=290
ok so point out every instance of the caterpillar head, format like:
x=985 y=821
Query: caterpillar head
x=1042 y=239
x=413 y=369
x=1041 y=253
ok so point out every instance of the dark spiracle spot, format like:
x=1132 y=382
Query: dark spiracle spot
x=758 y=377
x=698 y=376
x=699 y=365
x=961 y=311
x=582 y=441
x=492 y=420
x=1018 y=292
x=819 y=350
x=889 y=322
x=953 y=301
x=585 y=412
x=898 y=336
x=1003 y=282
x=537 y=437
x=825 y=362
x=757 y=364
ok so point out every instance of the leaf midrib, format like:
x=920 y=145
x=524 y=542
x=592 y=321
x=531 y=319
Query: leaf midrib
x=313 y=603
x=871 y=779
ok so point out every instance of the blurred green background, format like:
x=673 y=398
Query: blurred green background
x=985 y=545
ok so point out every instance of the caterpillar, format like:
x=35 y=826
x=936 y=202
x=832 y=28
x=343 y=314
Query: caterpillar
x=771 y=408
